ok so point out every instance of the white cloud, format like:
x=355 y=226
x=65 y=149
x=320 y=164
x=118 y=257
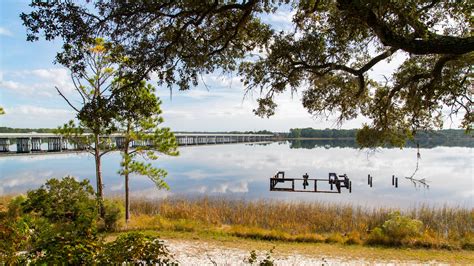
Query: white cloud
x=36 y=110
x=151 y=193
x=34 y=116
x=239 y=187
x=198 y=189
x=37 y=83
x=196 y=174
x=5 y=32
x=58 y=76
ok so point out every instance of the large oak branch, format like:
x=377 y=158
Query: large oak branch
x=431 y=44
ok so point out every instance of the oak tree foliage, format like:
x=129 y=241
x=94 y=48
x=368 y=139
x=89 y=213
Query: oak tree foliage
x=328 y=54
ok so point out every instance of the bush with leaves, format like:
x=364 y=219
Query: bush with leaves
x=14 y=232
x=58 y=224
x=64 y=217
x=136 y=248
x=397 y=230
x=114 y=212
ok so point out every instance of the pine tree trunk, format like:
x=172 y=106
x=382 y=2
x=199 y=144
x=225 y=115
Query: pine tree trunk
x=127 y=200
x=98 y=175
x=125 y=156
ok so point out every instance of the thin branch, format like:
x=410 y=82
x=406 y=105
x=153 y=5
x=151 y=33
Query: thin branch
x=78 y=89
x=64 y=97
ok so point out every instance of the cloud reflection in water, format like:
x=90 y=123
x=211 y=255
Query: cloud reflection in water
x=243 y=171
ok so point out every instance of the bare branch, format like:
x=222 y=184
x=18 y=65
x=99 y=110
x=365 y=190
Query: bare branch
x=66 y=99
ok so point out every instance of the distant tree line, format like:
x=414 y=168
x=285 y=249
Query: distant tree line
x=251 y=132
x=426 y=143
x=322 y=133
x=351 y=133
x=26 y=130
x=53 y=130
x=346 y=138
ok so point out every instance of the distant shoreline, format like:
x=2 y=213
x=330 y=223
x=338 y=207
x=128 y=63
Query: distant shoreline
x=304 y=138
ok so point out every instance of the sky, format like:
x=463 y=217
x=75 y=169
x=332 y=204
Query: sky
x=28 y=78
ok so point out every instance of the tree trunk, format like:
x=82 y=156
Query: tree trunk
x=126 y=169
x=98 y=176
x=127 y=200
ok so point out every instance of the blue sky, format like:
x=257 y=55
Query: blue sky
x=28 y=77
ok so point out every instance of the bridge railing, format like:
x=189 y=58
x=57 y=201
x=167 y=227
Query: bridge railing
x=32 y=142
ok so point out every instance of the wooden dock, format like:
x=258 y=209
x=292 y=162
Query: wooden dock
x=336 y=183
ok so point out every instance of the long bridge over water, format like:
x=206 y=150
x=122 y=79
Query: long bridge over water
x=11 y=143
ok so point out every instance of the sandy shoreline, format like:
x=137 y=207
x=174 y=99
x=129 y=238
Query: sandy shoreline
x=198 y=252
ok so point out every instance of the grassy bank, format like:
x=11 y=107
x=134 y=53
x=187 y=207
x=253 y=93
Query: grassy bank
x=315 y=222
x=373 y=254
x=424 y=227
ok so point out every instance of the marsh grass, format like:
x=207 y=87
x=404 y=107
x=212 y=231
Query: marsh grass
x=314 y=222
x=444 y=227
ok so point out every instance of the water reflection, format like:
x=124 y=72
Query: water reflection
x=351 y=143
x=242 y=171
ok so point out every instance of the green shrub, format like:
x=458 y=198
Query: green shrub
x=63 y=250
x=57 y=225
x=15 y=207
x=65 y=202
x=377 y=237
x=397 y=230
x=114 y=213
x=135 y=248
x=63 y=221
x=14 y=236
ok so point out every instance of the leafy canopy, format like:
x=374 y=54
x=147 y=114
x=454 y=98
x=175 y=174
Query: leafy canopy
x=328 y=55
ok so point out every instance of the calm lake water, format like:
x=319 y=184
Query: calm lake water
x=242 y=171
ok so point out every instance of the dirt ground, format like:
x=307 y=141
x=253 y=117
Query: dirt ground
x=199 y=252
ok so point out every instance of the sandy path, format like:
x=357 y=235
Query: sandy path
x=197 y=252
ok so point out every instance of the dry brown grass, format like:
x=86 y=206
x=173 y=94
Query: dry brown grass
x=443 y=227
x=316 y=222
x=4 y=201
